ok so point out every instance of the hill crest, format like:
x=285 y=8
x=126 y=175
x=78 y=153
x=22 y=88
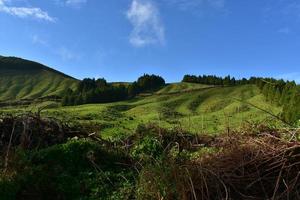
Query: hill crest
x=16 y=63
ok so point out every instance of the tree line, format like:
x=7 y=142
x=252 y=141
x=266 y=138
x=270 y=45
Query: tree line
x=217 y=80
x=285 y=94
x=278 y=92
x=100 y=91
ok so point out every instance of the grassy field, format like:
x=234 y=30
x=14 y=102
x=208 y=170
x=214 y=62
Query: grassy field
x=181 y=87
x=198 y=109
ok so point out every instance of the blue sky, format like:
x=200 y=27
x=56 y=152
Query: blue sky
x=122 y=39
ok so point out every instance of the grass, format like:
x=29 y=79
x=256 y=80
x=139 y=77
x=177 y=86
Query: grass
x=22 y=79
x=206 y=110
x=181 y=87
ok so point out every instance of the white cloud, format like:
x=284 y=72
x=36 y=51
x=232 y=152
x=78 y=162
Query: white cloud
x=147 y=26
x=24 y=12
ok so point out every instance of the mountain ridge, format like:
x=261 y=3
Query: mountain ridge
x=17 y=63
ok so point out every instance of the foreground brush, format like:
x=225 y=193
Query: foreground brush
x=245 y=166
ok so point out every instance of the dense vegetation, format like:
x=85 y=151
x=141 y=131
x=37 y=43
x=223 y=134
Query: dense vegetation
x=152 y=163
x=285 y=94
x=279 y=92
x=215 y=80
x=99 y=91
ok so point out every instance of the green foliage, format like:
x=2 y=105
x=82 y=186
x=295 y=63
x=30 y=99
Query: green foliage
x=278 y=92
x=286 y=94
x=147 y=148
x=215 y=80
x=150 y=82
x=99 y=91
x=133 y=89
x=75 y=170
x=292 y=109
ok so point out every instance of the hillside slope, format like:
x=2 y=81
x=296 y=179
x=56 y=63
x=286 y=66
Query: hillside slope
x=210 y=110
x=181 y=87
x=23 y=79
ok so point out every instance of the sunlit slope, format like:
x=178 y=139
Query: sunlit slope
x=23 y=79
x=210 y=110
x=181 y=87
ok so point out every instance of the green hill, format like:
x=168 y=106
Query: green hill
x=209 y=110
x=24 y=79
x=190 y=106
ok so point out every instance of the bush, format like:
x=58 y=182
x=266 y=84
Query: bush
x=156 y=181
x=74 y=170
x=148 y=148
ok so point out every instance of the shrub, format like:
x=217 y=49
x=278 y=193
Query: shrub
x=78 y=169
x=148 y=148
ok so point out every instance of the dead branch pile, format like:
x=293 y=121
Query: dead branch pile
x=248 y=167
x=30 y=131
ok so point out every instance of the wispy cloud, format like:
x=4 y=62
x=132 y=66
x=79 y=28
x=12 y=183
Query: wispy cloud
x=196 y=4
x=291 y=8
x=147 y=25
x=287 y=11
x=24 y=12
x=36 y=39
x=66 y=54
x=71 y=3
